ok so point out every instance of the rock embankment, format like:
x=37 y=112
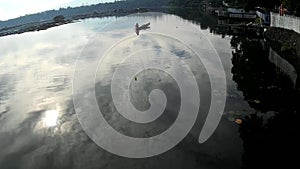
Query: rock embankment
x=287 y=44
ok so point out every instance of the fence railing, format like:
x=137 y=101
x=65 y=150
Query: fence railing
x=286 y=21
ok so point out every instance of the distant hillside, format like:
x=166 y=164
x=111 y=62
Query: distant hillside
x=69 y=13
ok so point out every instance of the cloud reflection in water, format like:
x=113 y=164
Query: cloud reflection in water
x=40 y=128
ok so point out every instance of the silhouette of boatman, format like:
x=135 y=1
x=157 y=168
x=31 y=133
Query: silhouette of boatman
x=143 y=27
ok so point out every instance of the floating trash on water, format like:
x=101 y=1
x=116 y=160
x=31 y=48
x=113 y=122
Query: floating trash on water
x=238 y=121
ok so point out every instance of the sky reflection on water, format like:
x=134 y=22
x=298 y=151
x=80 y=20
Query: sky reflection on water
x=38 y=124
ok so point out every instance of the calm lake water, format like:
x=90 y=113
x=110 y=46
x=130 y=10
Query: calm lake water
x=39 y=127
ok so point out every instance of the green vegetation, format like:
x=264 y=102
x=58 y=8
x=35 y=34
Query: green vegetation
x=246 y=4
x=193 y=3
x=286 y=47
x=293 y=6
x=59 y=18
x=147 y=3
x=267 y=4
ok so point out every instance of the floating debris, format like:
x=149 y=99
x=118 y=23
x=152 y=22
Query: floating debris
x=256 y=101
x=238 y=121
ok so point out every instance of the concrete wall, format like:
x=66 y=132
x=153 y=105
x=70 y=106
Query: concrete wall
x=284 y=66
x=286 y=21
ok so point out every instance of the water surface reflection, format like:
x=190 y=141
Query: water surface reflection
x=269 y=134
x=38 y=124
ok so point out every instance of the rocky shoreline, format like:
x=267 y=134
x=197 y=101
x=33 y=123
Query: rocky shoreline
x=287 y=44
x=44 y=25
x=31 y=27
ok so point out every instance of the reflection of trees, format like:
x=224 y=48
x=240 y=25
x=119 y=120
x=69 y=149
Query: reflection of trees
x=271 y=144
x=267 y=141
x=59 y=18
x=263 y=87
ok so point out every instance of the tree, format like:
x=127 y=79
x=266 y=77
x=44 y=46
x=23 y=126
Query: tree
x=251 y=4
x=59 y=18
x=293 y=6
